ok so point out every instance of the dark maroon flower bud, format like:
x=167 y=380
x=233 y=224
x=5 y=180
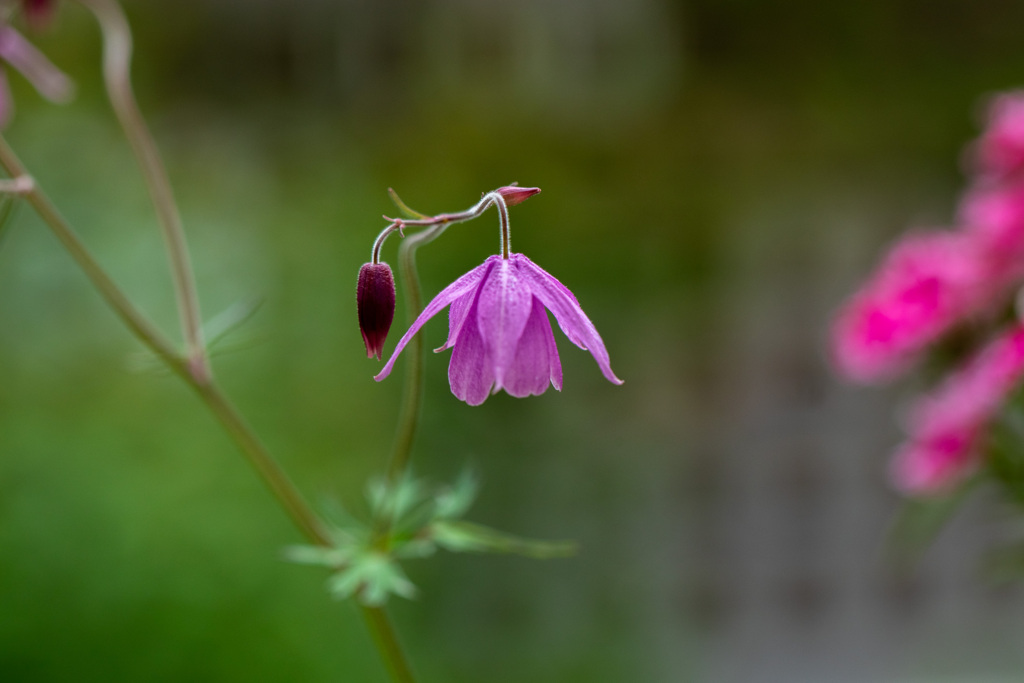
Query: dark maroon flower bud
x=375 y=303
x=513 y=194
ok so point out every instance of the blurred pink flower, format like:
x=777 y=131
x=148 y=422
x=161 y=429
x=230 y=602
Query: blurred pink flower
x=994 y=215
x=1000 y=150
x=47 y=79
x=948 y=427
x=928 y=283
x=500 y=333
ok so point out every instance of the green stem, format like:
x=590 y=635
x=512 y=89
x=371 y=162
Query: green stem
x=226 y=413
x=387 y=644
x=107 y=288
x=117 y=53
x=412 y=393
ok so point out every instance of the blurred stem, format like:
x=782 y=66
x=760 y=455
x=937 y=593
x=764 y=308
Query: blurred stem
x=226 y=413
x=387 y=644
x=107 y=288
x=412 y=392
x=117 y=53
x=202 y=383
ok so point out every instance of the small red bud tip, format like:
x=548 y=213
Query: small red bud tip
x=513 y=194
x=375 y=303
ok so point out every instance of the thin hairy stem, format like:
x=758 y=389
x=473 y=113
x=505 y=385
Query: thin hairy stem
x=117 y=53
x=441 y=221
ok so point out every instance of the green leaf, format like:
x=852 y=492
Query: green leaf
x=317 y=555
x=215 y=331
x=455 y=501
x=371 y=577
x=230 y=319
x=467 y=537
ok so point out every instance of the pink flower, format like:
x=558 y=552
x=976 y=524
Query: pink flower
x=994 y=215
x=928 y=283
x=1000 y=150
x=948 y=427
x=500 y=333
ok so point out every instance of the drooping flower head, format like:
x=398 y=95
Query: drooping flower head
x=948 y=428
x=928 y=283
x=499 y=331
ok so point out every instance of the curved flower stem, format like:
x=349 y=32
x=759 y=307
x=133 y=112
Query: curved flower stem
x=117 y=52
x=442 y=220
x=412 y=395
x=412 y=392
x=204 y=385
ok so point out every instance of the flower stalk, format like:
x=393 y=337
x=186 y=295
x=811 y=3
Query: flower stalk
x=255 y=452
x=117 y=53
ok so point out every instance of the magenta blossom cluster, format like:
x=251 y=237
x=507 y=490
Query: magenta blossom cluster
x=933 y=282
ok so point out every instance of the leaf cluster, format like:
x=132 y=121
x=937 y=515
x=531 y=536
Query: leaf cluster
x=409 y=519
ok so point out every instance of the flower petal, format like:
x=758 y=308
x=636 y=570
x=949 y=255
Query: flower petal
x=457 y=289
x=557 y=298
x=35 y=67
x=471 y=369
x=534 y=366
x=457 y=314
x=503 y=309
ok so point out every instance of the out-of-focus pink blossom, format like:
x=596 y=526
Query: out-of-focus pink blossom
x=994 y=215
x=928 y=283
x=1000 y=150
x=948 y=427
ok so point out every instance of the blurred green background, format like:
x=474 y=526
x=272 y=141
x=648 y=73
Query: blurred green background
x=717 y=175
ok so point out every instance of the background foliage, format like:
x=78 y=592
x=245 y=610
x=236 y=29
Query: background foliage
x=697 y=159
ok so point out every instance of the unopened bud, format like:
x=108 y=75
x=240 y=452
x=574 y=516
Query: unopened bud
x=375 y=303
x=513 y=194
